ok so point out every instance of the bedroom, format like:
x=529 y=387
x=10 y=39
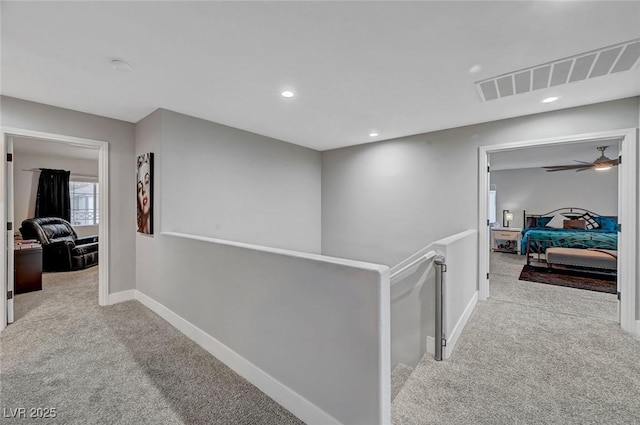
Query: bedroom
x=55 y=258
x=554 y=233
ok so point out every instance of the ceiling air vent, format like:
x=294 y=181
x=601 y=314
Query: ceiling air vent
x=608 y=60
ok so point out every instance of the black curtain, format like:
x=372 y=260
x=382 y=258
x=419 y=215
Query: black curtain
x=53 y=194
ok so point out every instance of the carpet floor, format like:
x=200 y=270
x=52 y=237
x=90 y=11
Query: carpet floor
x=570 y=278
x=120 y=364
x=531 y=354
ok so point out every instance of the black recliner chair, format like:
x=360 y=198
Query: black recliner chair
x=62 y=250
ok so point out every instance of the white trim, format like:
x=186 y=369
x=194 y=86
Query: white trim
x=627 y=276
x=295 y=403
x=459 y=327
x=103 y=225
x=628 y=243
x=483 y=227
x=429 y=255
x=3 y=252
x=296 y=254
x=122 y=296
x=103 y=178
x=431 y=345
x=10 y=206
x=384 y=347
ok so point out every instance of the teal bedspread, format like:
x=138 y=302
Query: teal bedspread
x=539 y=239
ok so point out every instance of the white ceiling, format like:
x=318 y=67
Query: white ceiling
x=23 y=145
x=398 y=68
x=564 y=154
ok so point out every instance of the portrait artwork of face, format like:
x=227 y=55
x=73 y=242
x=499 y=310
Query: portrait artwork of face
x=144 y=177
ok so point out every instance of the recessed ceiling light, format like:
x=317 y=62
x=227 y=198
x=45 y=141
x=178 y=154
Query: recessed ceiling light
x=374 y=134
x=120 y=65
x=550 y=99
x=475 y=69
x=287 y=94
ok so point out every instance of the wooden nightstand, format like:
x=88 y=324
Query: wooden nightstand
x=506 y=239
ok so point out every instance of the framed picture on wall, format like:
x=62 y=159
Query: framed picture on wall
x=144 y=183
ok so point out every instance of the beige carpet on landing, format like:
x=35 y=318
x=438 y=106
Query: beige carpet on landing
x=531 y=354
x=120 y=364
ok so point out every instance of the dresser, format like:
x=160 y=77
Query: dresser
x=27 y=270
x=506 y=239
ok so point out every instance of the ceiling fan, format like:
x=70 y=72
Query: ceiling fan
x=600 y=164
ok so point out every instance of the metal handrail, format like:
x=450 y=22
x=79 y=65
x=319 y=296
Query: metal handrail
x=441 y=268
x=418 y=260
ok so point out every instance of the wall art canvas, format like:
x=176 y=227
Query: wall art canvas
x=144 y=177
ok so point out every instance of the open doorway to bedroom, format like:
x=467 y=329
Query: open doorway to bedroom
x=553 y=236
x=53 y=233
x=56 y=218
x=551 y=200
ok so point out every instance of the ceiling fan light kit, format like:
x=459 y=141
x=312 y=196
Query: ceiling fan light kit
x=603 y=163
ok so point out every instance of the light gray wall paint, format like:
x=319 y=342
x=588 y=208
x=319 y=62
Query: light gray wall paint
x=22 y=114
x=226 y=183
x=148 y=135
x=538 y=192
x=25 y=183
x=383 y=201
x=212 y=180
x=313 y=325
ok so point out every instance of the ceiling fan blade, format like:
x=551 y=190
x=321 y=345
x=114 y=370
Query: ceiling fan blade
x=599 y=163
x=567 y=167
x=570 y=169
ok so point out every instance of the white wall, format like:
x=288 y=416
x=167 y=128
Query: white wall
x=538 y=192
x=230 y=184
x=17 y=113
x=383 y=201
x=26 y=182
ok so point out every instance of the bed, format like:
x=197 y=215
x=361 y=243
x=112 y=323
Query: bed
x=581 y=229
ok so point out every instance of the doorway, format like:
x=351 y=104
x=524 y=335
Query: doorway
x=627 y=213
x=7 y=201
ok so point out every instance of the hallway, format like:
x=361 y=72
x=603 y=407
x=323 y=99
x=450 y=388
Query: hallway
x=532 y=353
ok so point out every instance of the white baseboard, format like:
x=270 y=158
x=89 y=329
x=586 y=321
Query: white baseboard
x=457 y=330
x=289 y=399
x=431 y=345
x=122 y=296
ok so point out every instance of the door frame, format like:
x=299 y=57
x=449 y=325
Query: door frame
x=103 y=207
x=627 y=211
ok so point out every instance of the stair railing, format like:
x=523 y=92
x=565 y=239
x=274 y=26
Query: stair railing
x=441 y=268
x=400 y=270
x=428 y=312
x=394 y=274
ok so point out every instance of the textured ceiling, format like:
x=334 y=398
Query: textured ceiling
x=398 y=68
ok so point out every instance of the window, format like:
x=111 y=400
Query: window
x=84 y=203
